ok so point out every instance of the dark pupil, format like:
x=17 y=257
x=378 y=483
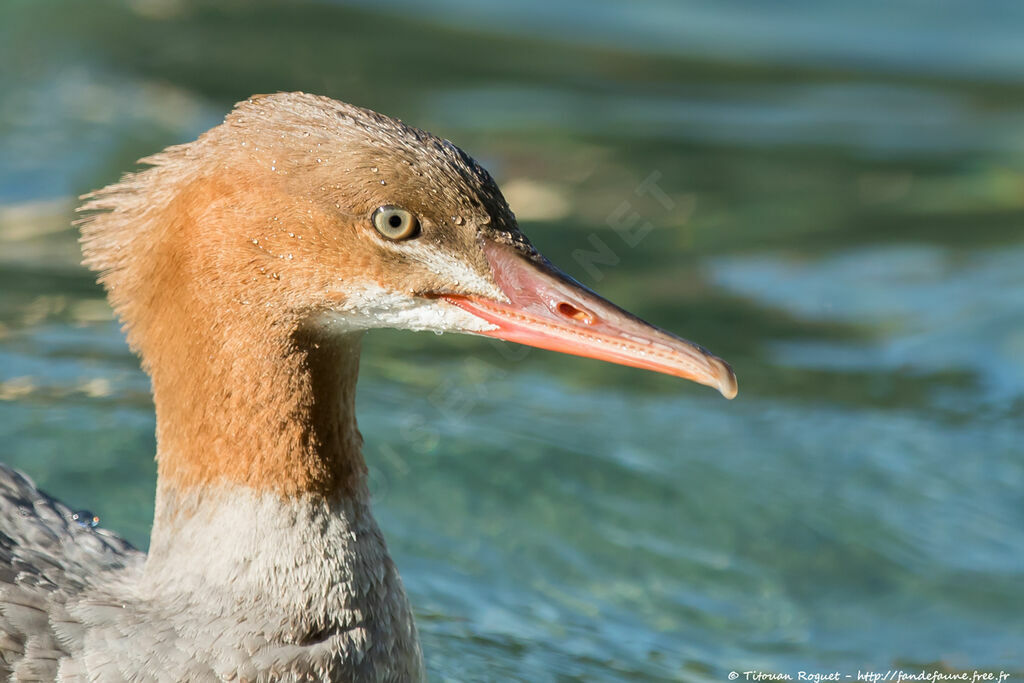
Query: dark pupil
x=394 y=220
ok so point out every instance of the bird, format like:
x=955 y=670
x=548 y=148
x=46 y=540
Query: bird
x=245 y=267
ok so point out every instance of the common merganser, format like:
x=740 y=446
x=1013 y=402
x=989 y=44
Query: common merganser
x=245 y=267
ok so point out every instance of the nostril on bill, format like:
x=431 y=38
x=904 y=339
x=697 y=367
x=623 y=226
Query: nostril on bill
x=569 y=311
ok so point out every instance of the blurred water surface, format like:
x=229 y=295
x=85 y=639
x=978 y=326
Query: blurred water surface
x=842 y=218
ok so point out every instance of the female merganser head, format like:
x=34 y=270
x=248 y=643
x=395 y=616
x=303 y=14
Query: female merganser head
x=245 y=267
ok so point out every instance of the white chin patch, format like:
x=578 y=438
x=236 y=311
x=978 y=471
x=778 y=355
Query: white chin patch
x=370 y=306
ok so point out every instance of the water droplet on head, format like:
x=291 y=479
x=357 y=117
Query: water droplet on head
x=255 y=241
x=319 y=160
x=458 y=220
x=374 y=169
x=383 y=182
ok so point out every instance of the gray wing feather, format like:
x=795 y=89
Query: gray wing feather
x=46 y=559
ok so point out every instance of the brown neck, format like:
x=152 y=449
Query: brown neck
x=267 y=407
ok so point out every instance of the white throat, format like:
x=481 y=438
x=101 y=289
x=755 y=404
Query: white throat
x=299 y=572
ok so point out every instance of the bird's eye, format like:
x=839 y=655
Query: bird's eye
x=395 y=223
